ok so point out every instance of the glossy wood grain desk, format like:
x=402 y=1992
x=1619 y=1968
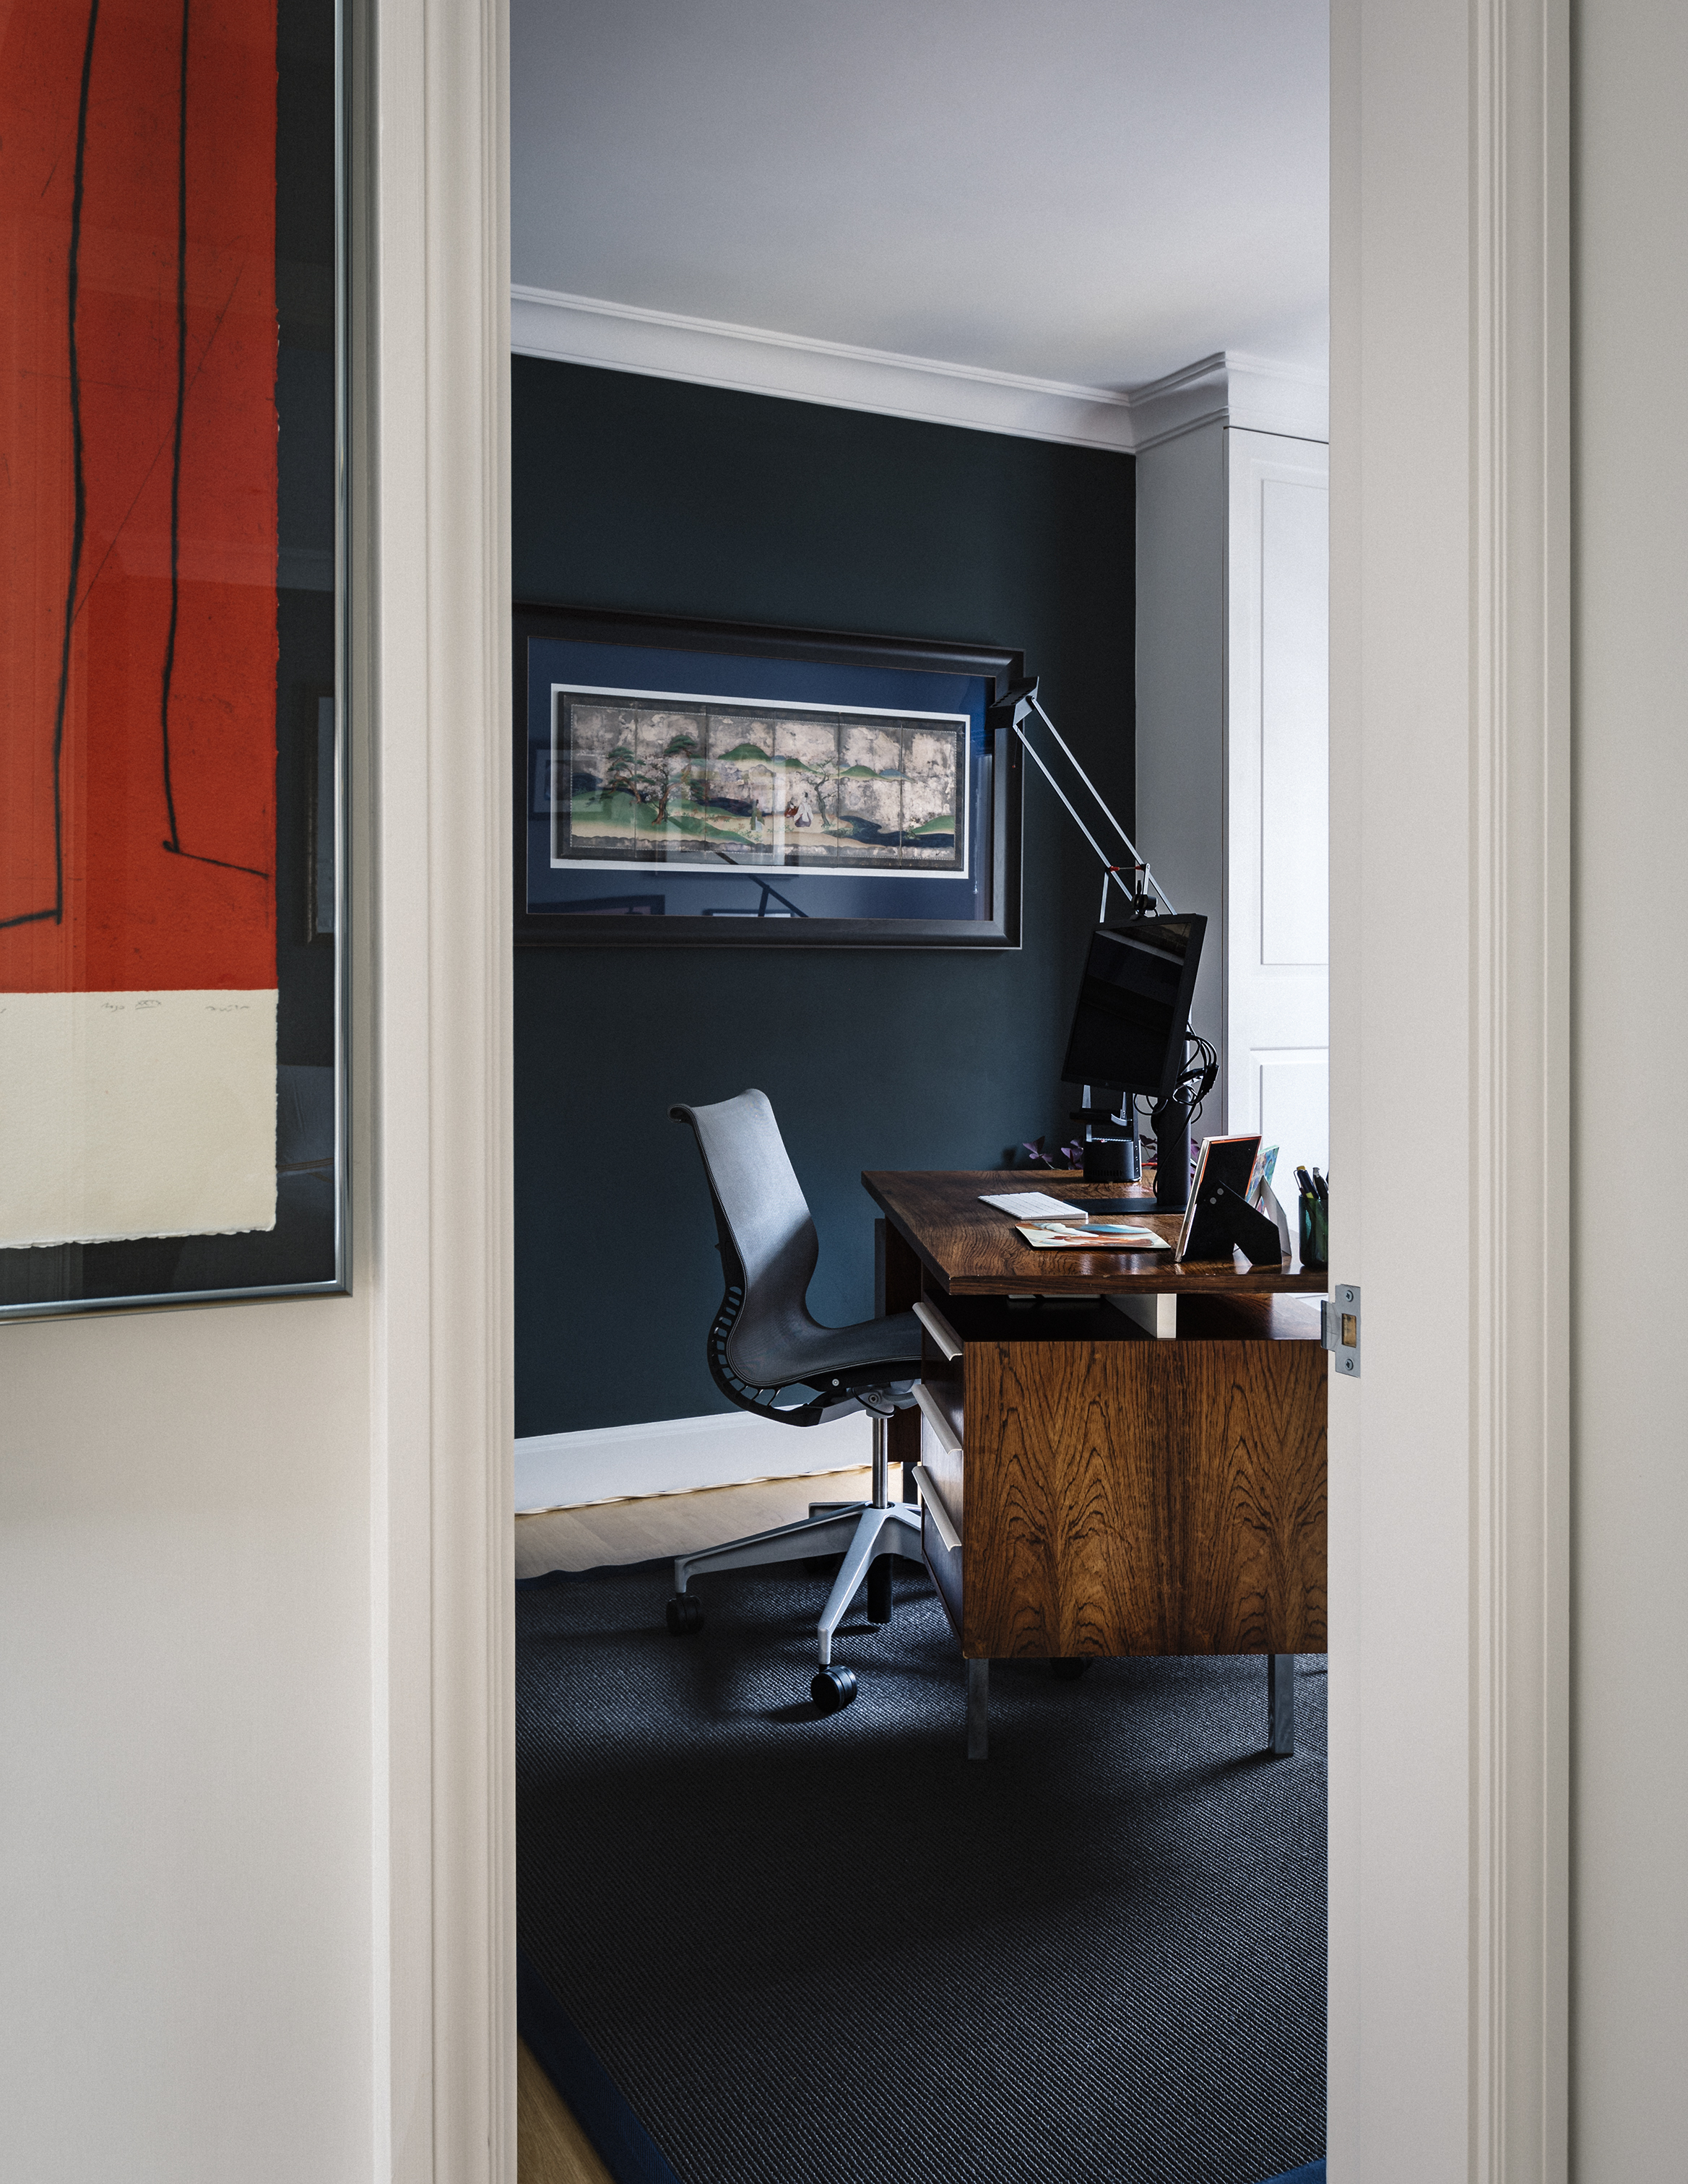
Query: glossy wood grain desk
x=1119 y=1455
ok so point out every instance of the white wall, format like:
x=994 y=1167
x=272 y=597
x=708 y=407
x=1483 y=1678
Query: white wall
x=1181 y=700
x=256 y=1661
x=1232 y=671
x=1277 y=817
x=185 y=1741
x=197 y=1603
x=1630 y=1811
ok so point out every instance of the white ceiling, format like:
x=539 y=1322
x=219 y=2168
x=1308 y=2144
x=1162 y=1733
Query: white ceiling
x=1091 y=190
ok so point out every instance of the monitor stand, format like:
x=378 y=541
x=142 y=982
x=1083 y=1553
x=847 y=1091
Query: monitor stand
x=1111 y=1153
x=1171 y=1121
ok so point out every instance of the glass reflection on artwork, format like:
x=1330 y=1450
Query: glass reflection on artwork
x=640 y=779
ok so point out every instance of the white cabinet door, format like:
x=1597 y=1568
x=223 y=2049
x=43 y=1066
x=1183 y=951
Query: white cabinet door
x=1278 y=948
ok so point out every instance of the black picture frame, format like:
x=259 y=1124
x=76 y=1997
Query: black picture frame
x=643 y=920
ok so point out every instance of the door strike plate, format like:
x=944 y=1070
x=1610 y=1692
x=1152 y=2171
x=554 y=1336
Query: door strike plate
x=1339 y=1327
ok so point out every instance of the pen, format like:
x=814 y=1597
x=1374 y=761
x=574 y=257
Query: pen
x=1322 y=1187
x=1305 y=1183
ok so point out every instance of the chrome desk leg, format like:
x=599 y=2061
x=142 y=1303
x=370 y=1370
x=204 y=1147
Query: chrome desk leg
x=1280 y=1704
x=880 y=1581
x=979 y=1710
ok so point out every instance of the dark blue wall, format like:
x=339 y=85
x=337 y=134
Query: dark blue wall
x=642 y=494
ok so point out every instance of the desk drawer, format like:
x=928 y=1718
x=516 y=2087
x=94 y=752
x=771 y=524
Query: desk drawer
x=943 y=1558
x=940 y=1412
x=1114 y=1493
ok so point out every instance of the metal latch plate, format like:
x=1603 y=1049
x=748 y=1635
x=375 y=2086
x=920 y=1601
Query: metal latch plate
x=1339 y=1327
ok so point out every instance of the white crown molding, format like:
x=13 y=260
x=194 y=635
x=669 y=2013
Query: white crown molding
x=581 y=329
x=1249 y=391
x=1253 y=393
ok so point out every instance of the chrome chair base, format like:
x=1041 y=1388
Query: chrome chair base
x=862 y=1532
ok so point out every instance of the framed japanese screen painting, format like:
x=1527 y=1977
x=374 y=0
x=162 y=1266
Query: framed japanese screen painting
x=172 y=1096
x=716 y=784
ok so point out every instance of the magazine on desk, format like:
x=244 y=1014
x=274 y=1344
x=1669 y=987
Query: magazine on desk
x=1092 y=1236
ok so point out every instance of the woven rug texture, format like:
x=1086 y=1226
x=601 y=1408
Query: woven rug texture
x=834 y=1949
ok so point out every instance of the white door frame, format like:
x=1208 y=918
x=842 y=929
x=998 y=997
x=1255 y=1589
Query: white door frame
x=1449 y=1594
x=1450 y=1044
x=427 y=170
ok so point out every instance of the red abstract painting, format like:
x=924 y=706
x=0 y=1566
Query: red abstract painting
x=138 y=505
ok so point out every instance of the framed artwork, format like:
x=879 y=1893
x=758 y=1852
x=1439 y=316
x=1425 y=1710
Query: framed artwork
x=172 y=776
x=717 y=785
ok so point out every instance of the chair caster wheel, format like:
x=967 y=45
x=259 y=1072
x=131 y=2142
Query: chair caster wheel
x=832 y=1689
x=685 y=1614
x=1069 y=1668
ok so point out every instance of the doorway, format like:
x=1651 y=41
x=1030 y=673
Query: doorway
x=727 y=403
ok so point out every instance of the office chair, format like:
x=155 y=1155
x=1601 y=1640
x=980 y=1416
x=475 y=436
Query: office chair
x=764 y=1344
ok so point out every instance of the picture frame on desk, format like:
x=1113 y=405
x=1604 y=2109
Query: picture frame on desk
x=688 y=783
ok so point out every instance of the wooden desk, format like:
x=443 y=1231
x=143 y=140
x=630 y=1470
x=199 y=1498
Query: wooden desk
x=969 y=1248
x=1149 y=1480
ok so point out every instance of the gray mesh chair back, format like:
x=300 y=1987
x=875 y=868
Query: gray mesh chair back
x=766 y=1343
x=765 y=1339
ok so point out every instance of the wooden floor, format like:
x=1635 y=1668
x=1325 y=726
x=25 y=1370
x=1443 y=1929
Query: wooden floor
x=673 y=1523
x=551 y=2147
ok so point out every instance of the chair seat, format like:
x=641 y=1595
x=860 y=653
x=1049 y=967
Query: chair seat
x=806 y=1355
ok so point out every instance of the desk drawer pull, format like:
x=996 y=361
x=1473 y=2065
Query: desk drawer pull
x=935 y=1509
x=939 y=1329
x=931 y=1412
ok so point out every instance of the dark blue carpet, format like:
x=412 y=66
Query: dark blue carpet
x=759 y=1945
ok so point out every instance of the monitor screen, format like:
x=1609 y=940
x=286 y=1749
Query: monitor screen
x=1134 y=1006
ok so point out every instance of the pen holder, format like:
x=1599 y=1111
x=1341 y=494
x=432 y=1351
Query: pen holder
x=1315 y=1226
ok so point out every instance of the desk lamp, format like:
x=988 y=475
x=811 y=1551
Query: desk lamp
x=1175 y=1086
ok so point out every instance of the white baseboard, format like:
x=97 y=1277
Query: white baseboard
x=679 y=1456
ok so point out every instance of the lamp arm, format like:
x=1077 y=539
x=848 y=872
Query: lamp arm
x=1110 y=871
x=1035 y=754
x=1071 y=759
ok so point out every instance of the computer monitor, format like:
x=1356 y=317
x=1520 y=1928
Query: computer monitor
x=1129 y=1026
